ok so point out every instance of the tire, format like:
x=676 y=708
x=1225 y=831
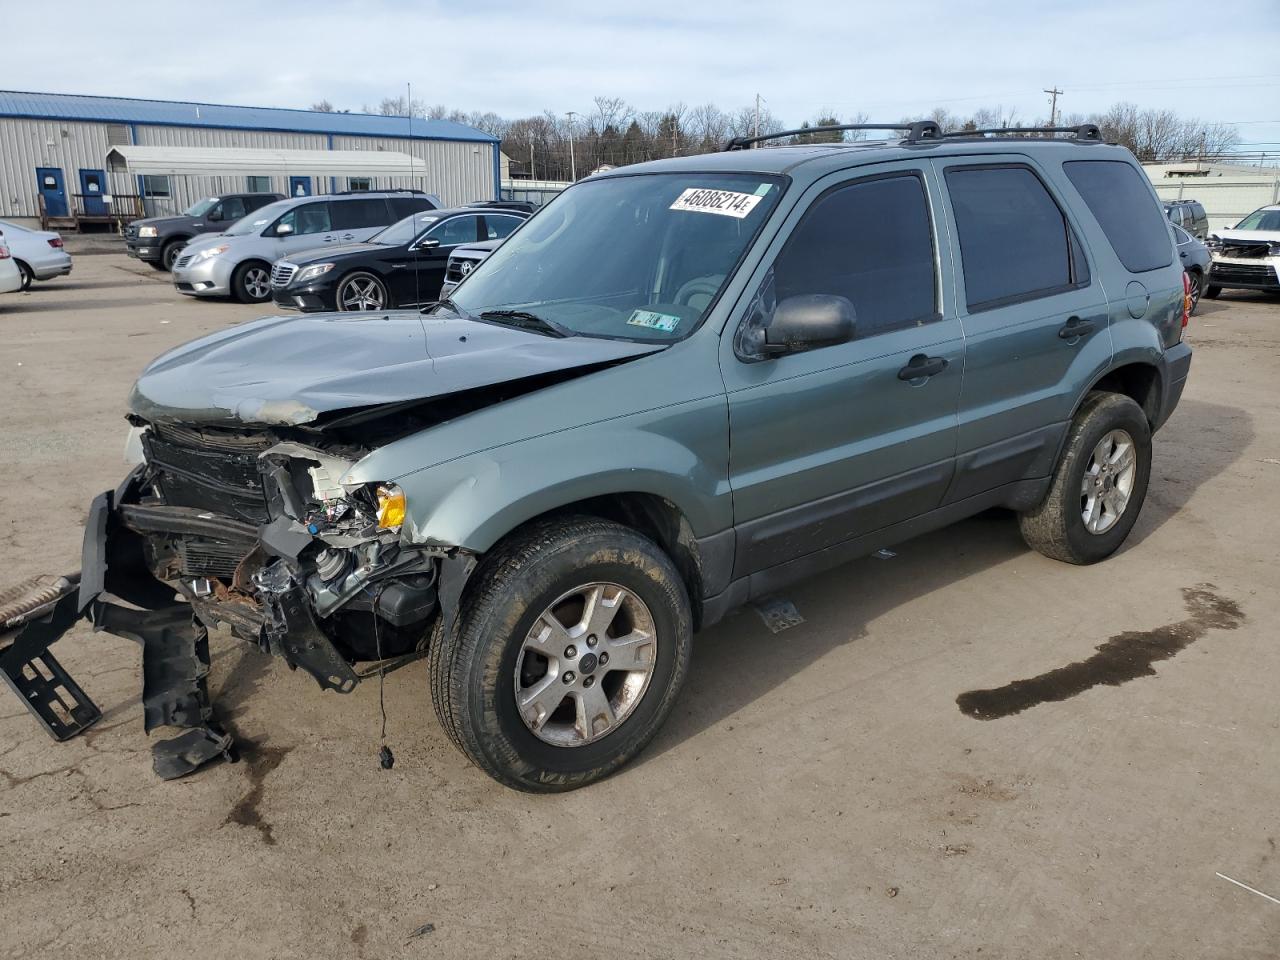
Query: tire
x=1211 y=292
x=170 y=254
x=478 y=672
x=1197 y=289
x=1058 y=527
x=251 y=283
x=361 y=291
x=25 y=276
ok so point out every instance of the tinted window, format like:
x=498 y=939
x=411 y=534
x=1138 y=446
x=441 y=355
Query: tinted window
x=870 y=242
x=354 y=214
x=455 y=231
x=1181 y=235
x=497 y=228
x=1013 y=238
x=401 y=207
x=308 y=218
x=1120 y=199
x=233 y=209
x=253 y=203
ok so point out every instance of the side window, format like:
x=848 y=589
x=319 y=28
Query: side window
x=498 y=227
x=354 y=214
x=1120 y=199
x=233 y=208
x=455 y=231
x=1014 y=241
x=308 y=218
x=872 y=242
x=253 y=203
x=401 y=207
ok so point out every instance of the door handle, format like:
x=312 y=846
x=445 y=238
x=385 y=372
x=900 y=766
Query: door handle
x=348 y=236
x=920 y=367
x=1075 y=328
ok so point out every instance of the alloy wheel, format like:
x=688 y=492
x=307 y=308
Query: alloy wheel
x=585 y=664
x=257 y=281
x=362 y=293
x=1108 y=480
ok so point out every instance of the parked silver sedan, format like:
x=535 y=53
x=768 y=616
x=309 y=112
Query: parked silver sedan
x=39 y=254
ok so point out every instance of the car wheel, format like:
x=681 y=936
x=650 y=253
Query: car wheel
x=169 y=254
x=25 y=276
x=1197 y=288
x=1099 y=485
x=362 y=291
x=1211 y=292
x=572 y=645
x=251 y=282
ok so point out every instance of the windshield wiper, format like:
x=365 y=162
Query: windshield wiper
x=527 y=321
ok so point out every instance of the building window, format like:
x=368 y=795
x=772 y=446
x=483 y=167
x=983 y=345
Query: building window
x=359 y=183
x=155 y=186
x=259 y=184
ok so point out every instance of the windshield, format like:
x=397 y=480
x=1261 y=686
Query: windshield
x=639 y=257
x=404 y=230
x=1260 y=220
x=200 y=208
x=256 y=221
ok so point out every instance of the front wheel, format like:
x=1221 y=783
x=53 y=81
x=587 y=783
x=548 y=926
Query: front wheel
x=169 y=254
x=25 y=276
x=573 y=643
x=362 y=291
x=251 y=282
x=1099 y=485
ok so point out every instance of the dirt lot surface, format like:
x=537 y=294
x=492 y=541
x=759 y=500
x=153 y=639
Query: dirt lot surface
x=826 y=791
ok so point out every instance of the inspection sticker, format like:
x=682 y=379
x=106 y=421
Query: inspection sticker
x=654 y=321
x=724 y=202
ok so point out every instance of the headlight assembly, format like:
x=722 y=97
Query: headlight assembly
x=313 y=271
x=148 y=232
x=212 y=252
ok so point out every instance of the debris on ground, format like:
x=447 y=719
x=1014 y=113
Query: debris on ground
x=422 y=931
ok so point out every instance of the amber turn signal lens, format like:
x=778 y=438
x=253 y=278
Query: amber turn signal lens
x=391 y=507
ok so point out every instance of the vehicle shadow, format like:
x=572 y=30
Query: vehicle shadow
x=739 y=660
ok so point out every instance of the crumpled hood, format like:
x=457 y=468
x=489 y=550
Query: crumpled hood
x=292 y=369
x=1260 y=236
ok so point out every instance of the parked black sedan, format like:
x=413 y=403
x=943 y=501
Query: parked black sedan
x=402 y=266
x=1195 y=258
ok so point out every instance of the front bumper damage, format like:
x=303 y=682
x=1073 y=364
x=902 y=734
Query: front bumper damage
x=297 y=584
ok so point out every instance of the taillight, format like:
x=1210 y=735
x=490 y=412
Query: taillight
x=56 y=243
x=1186 y=298
x=4 y=252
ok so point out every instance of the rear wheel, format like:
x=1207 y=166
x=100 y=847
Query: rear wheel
x=572 y=645
x=362 y=291
x=25 y=276
x=1098 y=488
x=251 y=282
x=1211 y=292
x=1197 y=287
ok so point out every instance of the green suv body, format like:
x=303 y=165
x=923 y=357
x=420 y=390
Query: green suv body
x=677 y=388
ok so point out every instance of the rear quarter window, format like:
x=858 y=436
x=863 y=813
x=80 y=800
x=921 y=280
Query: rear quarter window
x=1119 y=198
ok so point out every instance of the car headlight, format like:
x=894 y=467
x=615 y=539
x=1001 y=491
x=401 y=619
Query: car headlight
x=313 y=271
x=211 y=252
x=391 y=506
x=148 y=232
x=1273 y=250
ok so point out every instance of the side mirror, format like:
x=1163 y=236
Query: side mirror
x=808 y=322
x=214 y=215
x=284 y=229
x=428 y=243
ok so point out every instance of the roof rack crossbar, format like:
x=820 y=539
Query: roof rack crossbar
x=1085 y=131
x=919 y=130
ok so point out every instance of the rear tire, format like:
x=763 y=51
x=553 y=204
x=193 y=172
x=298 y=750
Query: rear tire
x=1098 y=487
x=251 y=283
x=1197 y=289
x=1211 y=292
x=578 y=589
x=25 y=276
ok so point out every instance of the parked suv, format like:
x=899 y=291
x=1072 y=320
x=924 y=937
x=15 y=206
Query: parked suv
x=1247 y=256
x=1189 y=215
x=158 y=240
x=403 y=265
x=462 y=261
x=681 y=386
x=238 y=262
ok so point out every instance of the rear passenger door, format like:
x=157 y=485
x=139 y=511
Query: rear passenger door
x=356 y=220
x=836 y=442
x=1035 y=321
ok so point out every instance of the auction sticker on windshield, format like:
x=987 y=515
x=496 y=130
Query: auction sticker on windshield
x=654 y=321
x=727 y=203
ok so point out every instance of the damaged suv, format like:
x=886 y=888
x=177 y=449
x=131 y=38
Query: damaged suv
x=680 y=386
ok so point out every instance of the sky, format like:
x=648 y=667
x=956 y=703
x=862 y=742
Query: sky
x=805 y=57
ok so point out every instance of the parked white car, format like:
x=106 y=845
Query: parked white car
x=1246 y=256
x=38 y=254
x=10 y=277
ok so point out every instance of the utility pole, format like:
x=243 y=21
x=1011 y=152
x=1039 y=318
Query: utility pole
x=755 y=129
x=1053 y=105
x=573 y=168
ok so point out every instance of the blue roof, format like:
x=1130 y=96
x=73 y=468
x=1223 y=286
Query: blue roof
x=65 y=106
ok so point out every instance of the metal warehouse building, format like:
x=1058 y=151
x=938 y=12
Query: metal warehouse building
x=54 y=155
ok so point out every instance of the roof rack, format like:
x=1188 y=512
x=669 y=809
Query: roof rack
x=1085 y=131
x=348 y=193
x=919 y=130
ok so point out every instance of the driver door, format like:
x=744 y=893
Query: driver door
x=833 y=443
x=429 y=256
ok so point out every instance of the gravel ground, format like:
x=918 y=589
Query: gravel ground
x=826 y=791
